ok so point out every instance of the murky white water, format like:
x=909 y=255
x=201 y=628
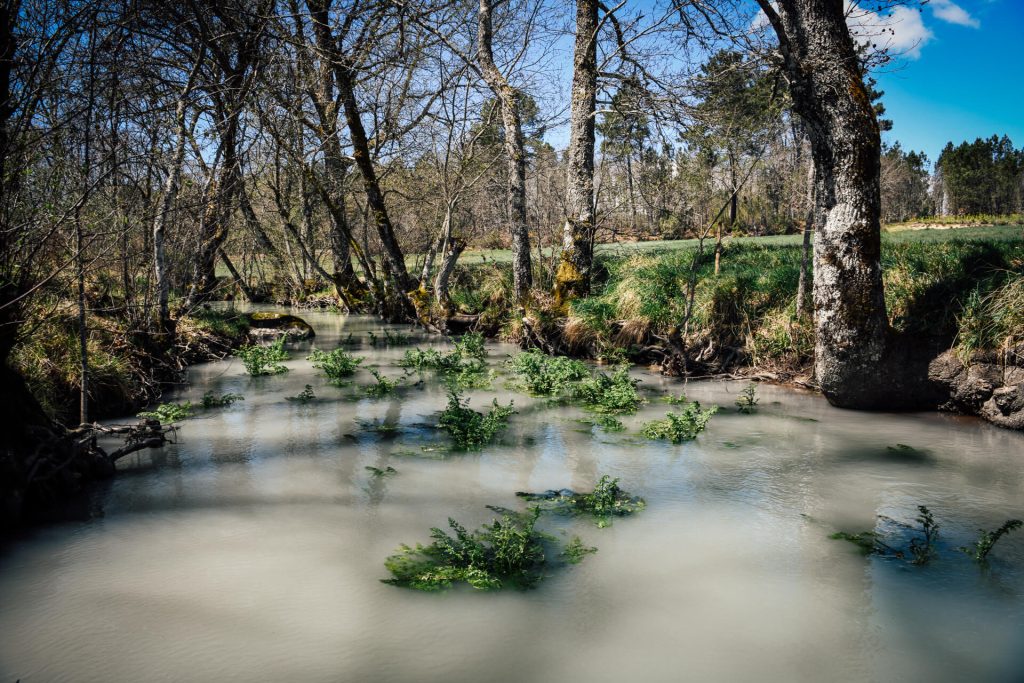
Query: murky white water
x=251 y=550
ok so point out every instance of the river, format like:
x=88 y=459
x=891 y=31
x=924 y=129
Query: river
x=252 y=549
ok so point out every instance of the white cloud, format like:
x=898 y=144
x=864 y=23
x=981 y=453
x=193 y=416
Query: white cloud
x=947 y=10
x=900 y=32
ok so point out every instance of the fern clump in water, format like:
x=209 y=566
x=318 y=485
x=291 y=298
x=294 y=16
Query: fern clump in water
x=922 y=550
x=680 y=427
x=607 y=500
x=384 y=385
x=170 y=412
x=212 y=400
x=336 y=364
x=747 y=401
x=611 y=394
x=509 y=552
x=463 y=367
x=304 y=396
x=542 y=375
x=469 y=429
x=263 y=360
x=988 y=539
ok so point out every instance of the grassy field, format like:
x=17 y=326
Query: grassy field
x=894 y=234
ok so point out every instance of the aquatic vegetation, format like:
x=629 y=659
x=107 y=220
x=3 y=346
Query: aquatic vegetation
x=922 y=550
x=170 y=412
x=378 y=472
x=747 y=401
x=383 y=386
x=463 y=367
x=336 y=364
x=680 y=427
x=304 y=396
x=542 y=375
x=608 y=423
x=607 y=500
x=509 y=552
x=263 y=360
x=603 y=393
x=988 y=539
x=575 y=551
x=676 y=400
x=390 y=339
x=469 y=429
x=212 y=400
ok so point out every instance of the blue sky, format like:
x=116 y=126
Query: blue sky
x=961 y=75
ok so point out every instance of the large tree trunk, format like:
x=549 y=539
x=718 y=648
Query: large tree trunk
x=522 y=275
x=574 y=269
x=827 y=86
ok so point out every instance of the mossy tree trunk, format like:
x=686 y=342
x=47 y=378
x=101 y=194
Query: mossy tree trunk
x=574 y=269
x=515 y=153
x=827 y=86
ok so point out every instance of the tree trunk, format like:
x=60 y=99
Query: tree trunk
x=802 y=303
x=574 y=269
x=522 y=275
x=827 y=86
x=453 y=249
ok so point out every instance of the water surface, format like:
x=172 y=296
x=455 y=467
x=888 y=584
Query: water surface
x=252 y=549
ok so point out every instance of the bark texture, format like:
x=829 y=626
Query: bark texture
x=522 y=275
x=827 y=87
x=574 y=268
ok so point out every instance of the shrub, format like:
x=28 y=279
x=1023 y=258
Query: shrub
x=679 y=427
x=469 y=429
x=336 y=364
x=263 y=360
x=747 y=401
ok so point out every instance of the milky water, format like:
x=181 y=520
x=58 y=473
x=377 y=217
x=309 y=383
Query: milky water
x=252 y=549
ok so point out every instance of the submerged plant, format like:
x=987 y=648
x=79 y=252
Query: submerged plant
x=378 y=472
x=923 y=549
x=336 y=364
x=390 y=338
x=170 y=412
x=988 y=539
x=607 y=500
x=469 y=429
x=680 y=427
x=263 y=360
x=677 y=400
x=747 y=401
x=575 y=551
x=304 y=396
x=211 y=400
x=463 y=367
x=509 y=552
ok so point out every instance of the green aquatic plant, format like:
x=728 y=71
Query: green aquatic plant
x=463 y=367
x=390 y=338
x=988 y=539
x=922 y=550
x=680 y=427
x=615 y=393
x=675 y=400
x=383 y=386
x=263 y=360
x=607 y=423
x=509 y=552
x=607 y=500
x=469 y=429
x=304 y=396
x=542 y=375
x=575 y=551
x=336 y=364
x=378 y=472
x=747 y=401
x=212 y=400
x=170 y=412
